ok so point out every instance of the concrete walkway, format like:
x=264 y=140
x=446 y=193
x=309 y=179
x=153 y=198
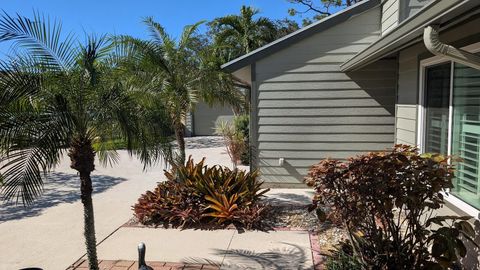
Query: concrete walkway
x=226 y=248
x=49 y=234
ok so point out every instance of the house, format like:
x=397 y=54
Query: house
x=202 y=121
x=377 y=73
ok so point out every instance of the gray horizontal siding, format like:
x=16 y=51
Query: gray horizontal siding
x=389 y=15
x=410 y=7
x=406 y=124
x=307 y=109
x=323 y=120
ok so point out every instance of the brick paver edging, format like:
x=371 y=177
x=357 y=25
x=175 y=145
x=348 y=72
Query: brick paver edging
x=132 y=265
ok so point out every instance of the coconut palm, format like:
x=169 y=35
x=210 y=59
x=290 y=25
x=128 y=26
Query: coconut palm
x=59 y=98
x=243 y=33
x=180 y=73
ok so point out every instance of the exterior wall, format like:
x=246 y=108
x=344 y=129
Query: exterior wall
x=390 y=15
x=410 y=7
x=406 y=127
x=407 y=99
x=407 y=113
x=307 y=109
x=205 y=117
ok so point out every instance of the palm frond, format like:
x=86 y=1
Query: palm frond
x=41 y=37
x=16 y=83
x=158 y=33
x=32 y=142
x=187 y=33
x=133 y=52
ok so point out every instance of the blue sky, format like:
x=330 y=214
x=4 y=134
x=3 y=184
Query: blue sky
x=124 y=17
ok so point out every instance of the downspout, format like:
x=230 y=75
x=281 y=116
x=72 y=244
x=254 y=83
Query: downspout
x=435 y=46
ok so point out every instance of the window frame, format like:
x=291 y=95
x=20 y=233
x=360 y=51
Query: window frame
x=421 y=121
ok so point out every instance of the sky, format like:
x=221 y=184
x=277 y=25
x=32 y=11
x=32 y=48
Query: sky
x=124 y=17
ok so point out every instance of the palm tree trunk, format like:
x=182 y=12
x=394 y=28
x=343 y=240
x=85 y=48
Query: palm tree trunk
x=89 y=221
x=180 y=137
x=82 y=157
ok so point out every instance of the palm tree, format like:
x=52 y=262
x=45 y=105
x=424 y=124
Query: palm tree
x=243 y=33
x=179 y=73
x=57 y=98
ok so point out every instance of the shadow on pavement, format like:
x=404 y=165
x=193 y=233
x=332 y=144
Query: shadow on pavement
x=204 y=142
x=288 y=198
x=292 y=257
x=58 y=188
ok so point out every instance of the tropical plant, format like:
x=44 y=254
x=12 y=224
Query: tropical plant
x=387 y=202
x=177 y=73
x=242 y=126
x=57 y=98
x=242 y=33
x=285 y=26
x=200 y=195
x=342 y=258
x=234 y=140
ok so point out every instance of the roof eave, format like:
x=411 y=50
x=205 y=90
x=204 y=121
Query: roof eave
x=300 y=34
x=408 y=32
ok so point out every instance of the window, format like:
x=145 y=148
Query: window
x=452 y=123
x=437 y=108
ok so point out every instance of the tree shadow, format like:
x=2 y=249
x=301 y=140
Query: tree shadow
x=291 y=257
x=472 y=259
x=58 y=188
x=204 y=142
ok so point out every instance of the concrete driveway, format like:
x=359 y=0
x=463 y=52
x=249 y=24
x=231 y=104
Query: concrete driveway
x=50 y=233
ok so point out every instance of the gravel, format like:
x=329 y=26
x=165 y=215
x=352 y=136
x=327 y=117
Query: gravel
x=298 y=217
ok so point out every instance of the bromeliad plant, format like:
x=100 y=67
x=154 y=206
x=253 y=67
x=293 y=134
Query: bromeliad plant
x=197 y=194
x=386 y=201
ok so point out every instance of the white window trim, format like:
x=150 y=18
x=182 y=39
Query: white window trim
x=474 y=48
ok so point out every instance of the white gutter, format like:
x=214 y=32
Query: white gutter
x=434 y=45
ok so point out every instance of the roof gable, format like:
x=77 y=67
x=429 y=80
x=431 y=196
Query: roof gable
x=299 y=35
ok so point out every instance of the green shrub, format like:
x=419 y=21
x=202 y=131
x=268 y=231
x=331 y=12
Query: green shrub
x=343 y=259
x=234 y=140
x=242 y=125
x=386 y=201
x=197 y=194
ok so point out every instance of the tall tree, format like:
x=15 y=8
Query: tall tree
x=243 y=33
x=321 y=8
x=59 y=98
x=177 y=73
x=285 y=26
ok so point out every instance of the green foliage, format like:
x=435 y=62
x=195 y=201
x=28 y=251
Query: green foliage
x=197 y=194
x=234 y=140
x=243 y=33
x=242 y=126
x=175 y=74
x=55 y=90
x=343 y=258
x=387 y=200
x=59 y=95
